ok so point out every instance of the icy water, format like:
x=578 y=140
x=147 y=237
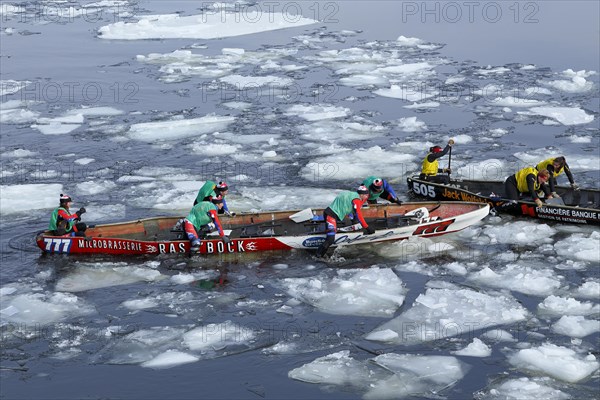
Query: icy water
x=131 y=123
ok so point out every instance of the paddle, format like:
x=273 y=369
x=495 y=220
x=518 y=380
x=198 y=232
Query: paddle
x=449 y=160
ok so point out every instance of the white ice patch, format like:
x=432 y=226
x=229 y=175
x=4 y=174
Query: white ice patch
x=475 y=349
x=499 y=335
x=9 y=86
x=564 y=115
x=59 y=125
x=514 y=102
x=24 y=198
x=140 y=304
x=576 y=326
x=411 y=124
x=556 y=361
x=336 y=369
x=216 y=336
x=559 y=306
x=205 y=26
x=520 y=278
x=105 y=275
x=576 y=83
x=95 y=187
x=407 y=93
x=19 y=153
x=355 y=163
x=267 y=198
x=580 y=246
x=178 y=128
x=169 y=359
x=490 y=169
x=520 y=232
x=372 y=292
x=317 y=112
x=440 y=313
x=525 y=389
x=34 y=309
x=341 y=131
x=589 y=289
x=16 y=112
x=249 y=82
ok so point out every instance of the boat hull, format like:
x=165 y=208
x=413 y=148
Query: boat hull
x=275 y=232
x=581 y=207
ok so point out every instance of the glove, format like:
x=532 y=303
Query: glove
x=368 y=230
x=555 y=195
x=79 y=212
x=226 y=239
x=539 y=202
x=574 y=186
x=230 y=214
x=451 y=142
x=397 y=201
x=448 y=170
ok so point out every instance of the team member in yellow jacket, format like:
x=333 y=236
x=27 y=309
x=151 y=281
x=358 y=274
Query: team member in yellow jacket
x=556 y=166
x=430 y=167
x=528 y=181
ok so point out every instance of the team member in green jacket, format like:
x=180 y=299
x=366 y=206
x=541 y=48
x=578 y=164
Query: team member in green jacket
x=345 y=203
x=380 y=188
x=210 y=190
x=203 y=218
x=62 y=222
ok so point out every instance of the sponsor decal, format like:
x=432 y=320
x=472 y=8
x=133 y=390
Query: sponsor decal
x=57 y=245
x=563 y=214
x=164 y=248
x=436 y=227
x=453 y=194
x=313 y=241
x=218 y=246
x=110 y=244
x=251 y=246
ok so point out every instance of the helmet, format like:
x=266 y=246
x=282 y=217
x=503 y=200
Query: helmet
x=376 y=186
x=221 y=186
x=435 y=149
x=217 y=199
x=362 y=189
x=65 y=198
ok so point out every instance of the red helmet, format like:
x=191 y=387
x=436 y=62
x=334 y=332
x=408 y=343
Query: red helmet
x=435 y=149
x=65 y=198
x=222 y=186
x=377 y=185
x=217 y=199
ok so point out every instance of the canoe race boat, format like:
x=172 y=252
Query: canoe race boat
x=268 y=231
x=574 y=206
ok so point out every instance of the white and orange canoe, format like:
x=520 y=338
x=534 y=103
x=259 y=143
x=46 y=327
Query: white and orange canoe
x=269 y=231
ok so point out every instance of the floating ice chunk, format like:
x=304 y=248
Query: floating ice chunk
x=424 y=105
x=556 y=305
x=341 y=131
x=169 y=359
x=475 y=349
x=95 y=187
x=448 y=312
x=59 y=125
x=337 y=369
x=499 y=335
x=249 y=82
x=317 y=112
x=386 y=335
x=556 y=361
x=43 y=309
x=514 y=102
x=10 y=86
x=217 y=336
x=576 y=84
x=372 y=292
x=579 y=139
x=576 y=326
x=88 y=278
x=84 y=161
x=179 y=128
x=564 y=115
x=524 y=389
x=589 y=289
x=406 y=92
x=205 y=26
x=411 y=124
x=520 y=232
x=19 y=153
x=409 y=41
x=24 y=198
x=524 y=279
x=581 y=246
x=16 y=112
x=139 y=304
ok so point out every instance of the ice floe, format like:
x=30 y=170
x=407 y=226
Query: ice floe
x=176 y=129
x=556 y=361
x=520 y=278
x=580 y=246
x=576 y=326
x=564 y=115
x=88 y=277
x=523 y=389
x=576 y=82
x=208 y=25
x=24 y=198
x=558 y=306
x=477 y=348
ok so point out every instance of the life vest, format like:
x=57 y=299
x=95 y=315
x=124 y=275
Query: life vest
x=429 y=168
x=544 y=165
x=198 y=216
x=521 y=177
x=54 y=219
x=342 y=204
